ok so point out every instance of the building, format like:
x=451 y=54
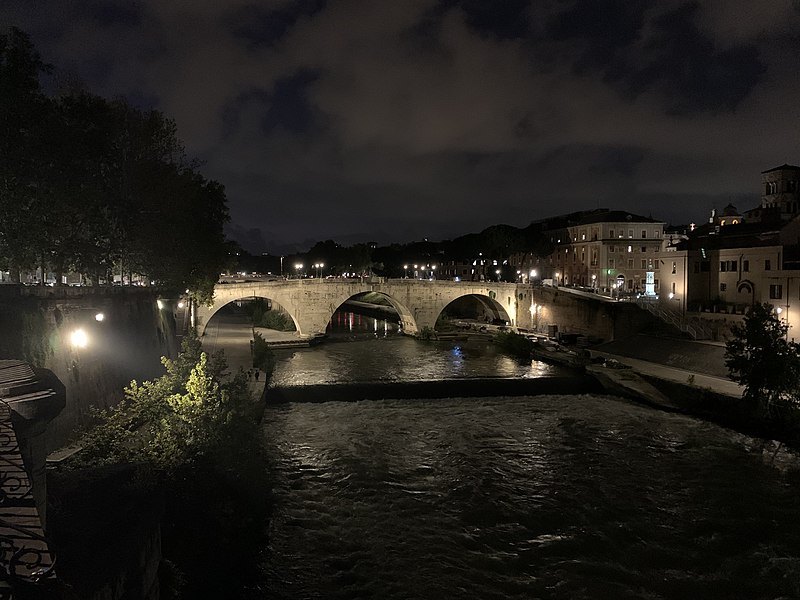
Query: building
x=611 y=251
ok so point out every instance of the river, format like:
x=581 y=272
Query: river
x=514 y=497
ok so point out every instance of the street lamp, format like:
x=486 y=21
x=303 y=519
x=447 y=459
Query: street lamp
x=79 y=339
x=297 y=267
x=433 y=272
x=405 y=271
x=498 y=275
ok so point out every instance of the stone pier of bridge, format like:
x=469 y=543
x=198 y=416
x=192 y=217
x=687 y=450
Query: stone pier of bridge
x=311 y=302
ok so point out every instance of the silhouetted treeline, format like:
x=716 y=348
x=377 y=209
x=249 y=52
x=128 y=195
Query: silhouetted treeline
x=98 y=187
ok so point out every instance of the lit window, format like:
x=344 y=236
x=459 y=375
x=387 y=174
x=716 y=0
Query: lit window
x=775 y=292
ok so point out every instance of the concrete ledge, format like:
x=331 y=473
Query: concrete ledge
x=456 y=388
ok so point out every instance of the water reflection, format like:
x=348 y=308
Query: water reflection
x=395 y=357
x=349 y=324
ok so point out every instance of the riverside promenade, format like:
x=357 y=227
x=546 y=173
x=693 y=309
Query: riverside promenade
x=698 y=364
x=232 y=333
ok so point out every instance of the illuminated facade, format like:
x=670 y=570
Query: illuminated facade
x=611 y=251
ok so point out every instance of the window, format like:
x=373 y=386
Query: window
x=644 y=248
x=723 y=287
x=630 y=233
x=728 y=266
x=612 y=249
x=644 y=233
x=630 y=248
x=674 y=267
x=746 y=266
x=630 y=263
x=775 y=292
x=723 y=266
x=611 y=233
x=656 y=285
x=767 y=265
x=610 y=263
x=673 y=288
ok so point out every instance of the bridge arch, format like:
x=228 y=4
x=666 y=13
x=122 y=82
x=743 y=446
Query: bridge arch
x=488 y=303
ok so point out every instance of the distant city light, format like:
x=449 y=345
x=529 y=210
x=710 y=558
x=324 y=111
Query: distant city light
x=79 y=339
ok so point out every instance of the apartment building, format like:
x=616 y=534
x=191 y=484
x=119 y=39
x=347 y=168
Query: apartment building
x=611 y=251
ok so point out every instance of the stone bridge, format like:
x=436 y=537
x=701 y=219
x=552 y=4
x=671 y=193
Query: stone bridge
x=312 y=302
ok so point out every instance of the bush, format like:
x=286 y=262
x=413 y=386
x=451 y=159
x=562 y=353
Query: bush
x=170 y=421
x=263 y=357
x=273 y=319
x=427 y=334
x=514 y=344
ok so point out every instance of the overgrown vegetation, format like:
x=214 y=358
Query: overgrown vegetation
x=761 y=359
x=188 y=412
x=263 y=357
x=263 y=316
x=514 y=344
x=427 y=333
x=194 y=433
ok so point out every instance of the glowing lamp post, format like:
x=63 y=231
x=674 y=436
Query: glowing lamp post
x=297 y=268
x=79 y=339
x=405 y=271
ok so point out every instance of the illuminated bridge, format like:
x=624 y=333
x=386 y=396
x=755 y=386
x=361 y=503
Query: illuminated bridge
x=311 y=302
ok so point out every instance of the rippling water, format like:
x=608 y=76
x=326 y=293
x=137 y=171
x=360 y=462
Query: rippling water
x=544 y=497
x=399 y=358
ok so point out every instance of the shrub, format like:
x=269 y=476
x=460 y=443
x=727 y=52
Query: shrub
x=186 y=413
x=514 y=344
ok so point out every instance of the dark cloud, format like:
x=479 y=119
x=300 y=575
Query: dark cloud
x=259 y=27
x=359 y=120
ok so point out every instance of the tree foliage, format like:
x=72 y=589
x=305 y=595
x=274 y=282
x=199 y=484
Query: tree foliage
x=175 y=419
x=761 y=359
x=99 y=187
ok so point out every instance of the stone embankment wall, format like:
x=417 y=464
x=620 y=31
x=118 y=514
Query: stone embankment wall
x=36 y=325
x=591 y=317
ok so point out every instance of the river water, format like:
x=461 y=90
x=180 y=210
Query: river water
x=527 y=497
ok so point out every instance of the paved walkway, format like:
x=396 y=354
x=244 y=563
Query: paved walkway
x=232 y=334
x=718 y=384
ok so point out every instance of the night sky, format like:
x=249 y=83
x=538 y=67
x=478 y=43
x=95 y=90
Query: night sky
x=394 y=120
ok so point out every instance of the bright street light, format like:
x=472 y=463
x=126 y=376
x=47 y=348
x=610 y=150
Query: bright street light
x=79 y=339
x=99 y=317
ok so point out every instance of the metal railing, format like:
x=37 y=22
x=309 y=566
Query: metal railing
x=698 y=331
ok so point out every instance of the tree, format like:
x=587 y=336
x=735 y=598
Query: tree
x=23 y=107
x=761 y=359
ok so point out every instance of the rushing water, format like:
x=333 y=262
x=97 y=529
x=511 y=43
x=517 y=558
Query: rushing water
x=537 y=497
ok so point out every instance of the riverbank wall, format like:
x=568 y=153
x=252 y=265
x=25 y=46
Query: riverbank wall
x=37 y=325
